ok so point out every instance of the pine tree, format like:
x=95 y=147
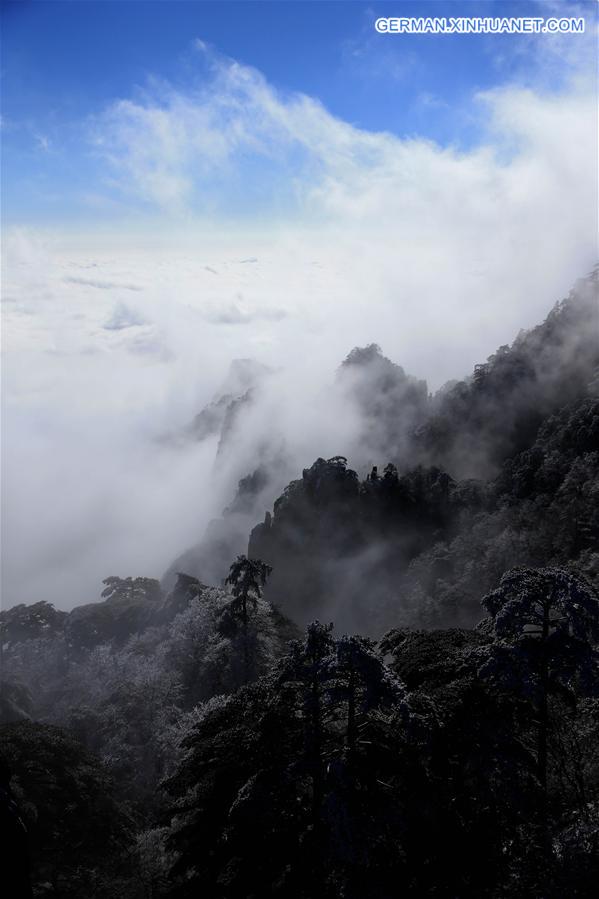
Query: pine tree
x=246 y=578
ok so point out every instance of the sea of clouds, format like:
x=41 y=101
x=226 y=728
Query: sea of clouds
x=115 y=337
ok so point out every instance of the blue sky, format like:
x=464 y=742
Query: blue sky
x=64 y=64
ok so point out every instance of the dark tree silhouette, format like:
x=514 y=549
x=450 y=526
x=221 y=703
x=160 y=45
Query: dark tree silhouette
x=547 y=623
x=307 y=671
x=246 y=578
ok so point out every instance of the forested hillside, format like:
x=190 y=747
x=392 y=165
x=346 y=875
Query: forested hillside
x=388 y=687
x=425 y=534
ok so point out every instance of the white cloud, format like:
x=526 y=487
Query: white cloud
x=43 y=142
x=526 y=194
x=170 y=144
x=100 y=285
x=123 y=317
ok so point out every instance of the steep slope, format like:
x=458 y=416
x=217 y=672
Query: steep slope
x=215 y=419
x=390 y=403
x=337 y=544
x=225 y=537
x=419 y=547
x=480 y=422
